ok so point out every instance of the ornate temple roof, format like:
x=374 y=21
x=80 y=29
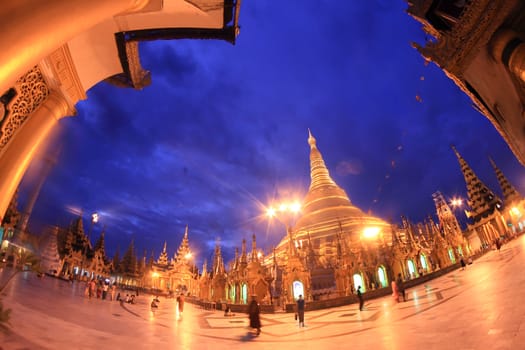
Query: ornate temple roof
x=482 y=201
x=327 y=210
x=510 y=194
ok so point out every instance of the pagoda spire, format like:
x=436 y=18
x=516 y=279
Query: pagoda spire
x=448 y=222
x=184 y=248
x=243 y=259
x=236 y=259
x=318 y=171
x=482 y=201
x=509 y=192
x=163 y=257
x=218 y=262
x=204 y=269
x=254 y=249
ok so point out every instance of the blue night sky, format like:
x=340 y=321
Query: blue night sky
x=222 y=130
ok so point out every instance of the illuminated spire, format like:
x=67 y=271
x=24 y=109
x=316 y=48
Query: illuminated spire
x=318 y=171
x=323 y=192
x=204 y=269
x=184 y=248
x=163 y=257
x=482 y=201
x=218 y=262
x=243 y=259
x=509 y=192
x=448 y=222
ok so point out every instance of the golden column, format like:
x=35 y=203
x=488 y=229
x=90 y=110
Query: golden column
x=33 y=29
x=19 y=152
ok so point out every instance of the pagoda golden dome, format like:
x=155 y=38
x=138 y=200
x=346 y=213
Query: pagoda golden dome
x=327 y=213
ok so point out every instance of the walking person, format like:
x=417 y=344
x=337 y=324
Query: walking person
x=113 y=290
x=300 y=310
x=463 y=264
x=105 y=289
x=180 y=302
x=360 y=297
x=395 y=291
x=254 y=312
x=92 y=288
x=400 y=287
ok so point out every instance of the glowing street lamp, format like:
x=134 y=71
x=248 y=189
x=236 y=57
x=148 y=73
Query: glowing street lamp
x=285 y=212
x=456 y=202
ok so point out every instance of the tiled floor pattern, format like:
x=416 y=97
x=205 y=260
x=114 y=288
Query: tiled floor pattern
x=482 y=307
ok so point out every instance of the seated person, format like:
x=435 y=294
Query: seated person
x=154 y=304
x=132 y=299
x=228 y=312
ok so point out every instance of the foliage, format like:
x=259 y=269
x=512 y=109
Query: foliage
x=128 y=264
x=116 y=261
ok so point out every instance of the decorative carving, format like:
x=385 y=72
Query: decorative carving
x=31 y=91
x=479 y=20
x=64 y=70
x=139 y=76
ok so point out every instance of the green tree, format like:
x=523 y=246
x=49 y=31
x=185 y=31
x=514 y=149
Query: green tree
x=116 y=261
x=129 y=261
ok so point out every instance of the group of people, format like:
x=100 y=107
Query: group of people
x=100 y=289
x=254 y=312
x=180 y=304
x=398 y=289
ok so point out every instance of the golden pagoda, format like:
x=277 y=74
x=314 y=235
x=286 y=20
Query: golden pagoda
x=330 y=234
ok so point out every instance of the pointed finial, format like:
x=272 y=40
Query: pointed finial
x=455 y=150
x=165 y=245
x=311 y=139
x=186 y=232
x=492 y=162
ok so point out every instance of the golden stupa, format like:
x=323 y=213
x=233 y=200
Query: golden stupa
x=328 y=218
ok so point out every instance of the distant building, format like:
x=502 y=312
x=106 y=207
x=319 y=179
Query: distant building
x=489 y=217
x=178 y=274
x=331 y=249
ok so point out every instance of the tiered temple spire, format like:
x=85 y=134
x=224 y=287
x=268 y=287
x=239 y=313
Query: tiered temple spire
x=318 y=171
x=184 y=248
x=163 y=257
x=482 y=201
x=509 y=192
x=218 y=262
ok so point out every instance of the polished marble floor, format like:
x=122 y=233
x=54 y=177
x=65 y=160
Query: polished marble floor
x=482 y=307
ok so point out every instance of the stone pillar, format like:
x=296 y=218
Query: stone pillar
x=33 y=29
x=20 y=151
x=509 y=49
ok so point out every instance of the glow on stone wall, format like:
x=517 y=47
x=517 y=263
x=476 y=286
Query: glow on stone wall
x=423 y=260
x=411 y=268
x=244 y=293
x=298 y=289
x=451 y=255
x=383 y=279
x=358 y=281
x=232 y=293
